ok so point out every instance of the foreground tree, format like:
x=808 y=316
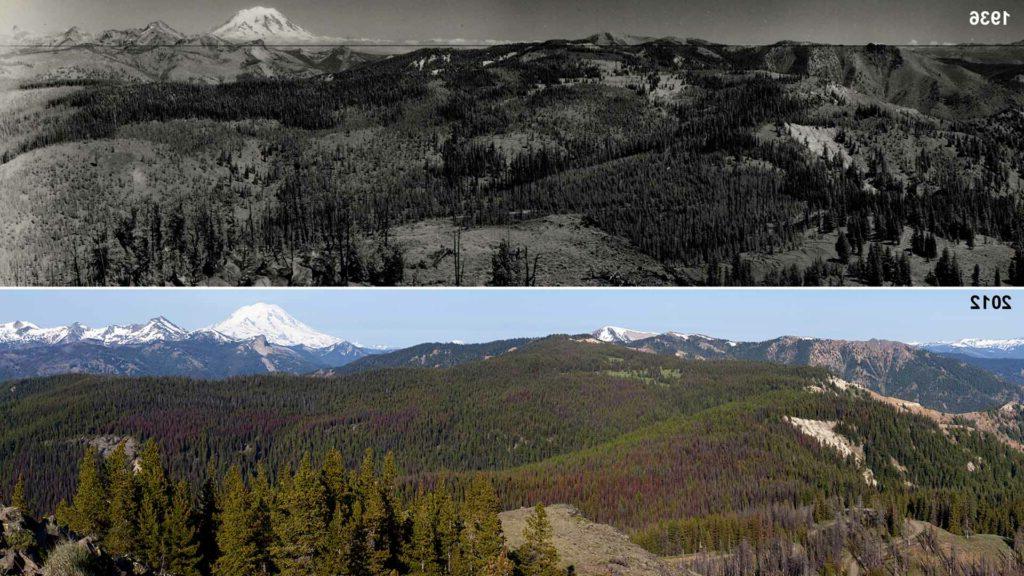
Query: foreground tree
x=88 y=513
x=537 y=555
x=239 y=536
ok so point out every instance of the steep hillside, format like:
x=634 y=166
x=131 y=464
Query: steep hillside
x=890 y=368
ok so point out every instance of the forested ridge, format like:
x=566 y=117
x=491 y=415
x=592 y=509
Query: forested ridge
x=592 y=425
x=701 y=164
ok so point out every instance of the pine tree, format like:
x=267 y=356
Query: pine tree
x=537 y=555
x=88 y=513
x=449 y=529
x=299 y=519
x=239 y=535
x=122 y=538
x=422 y=558
x=207 y=523
x=18 y=499
x=180 y=534
x=843 y=248
x=264 y=498
x=153 y=503
x=357 y=552
x=976 y=276
x=335 y=477
x=482 y=538
x=390 y=531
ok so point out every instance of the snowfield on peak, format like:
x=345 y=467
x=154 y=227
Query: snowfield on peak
x=980 y=347
x=273 y=323
x=266 y=24
x=620 y=335
x=268 y=321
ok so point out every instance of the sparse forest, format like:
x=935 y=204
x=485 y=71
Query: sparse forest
x=705 y=168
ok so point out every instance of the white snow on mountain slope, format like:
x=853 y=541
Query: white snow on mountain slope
x=266 y=24
x=27 y=332
x=275 y=324
x=619 y=335
x=157 y=329
x=980 y=347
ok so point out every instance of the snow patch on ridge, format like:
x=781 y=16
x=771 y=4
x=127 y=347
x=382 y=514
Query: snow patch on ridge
x=620 y=335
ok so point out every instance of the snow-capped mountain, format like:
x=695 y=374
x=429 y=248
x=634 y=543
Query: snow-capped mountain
x=260 y=320
x=153 y=34
x=275 y=324
x=980 y=347
x=619 y=335
x=157 y=329
x=255 y=339
x=264 y=24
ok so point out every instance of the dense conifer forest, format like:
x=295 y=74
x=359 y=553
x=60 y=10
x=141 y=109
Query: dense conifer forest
x=684 y=456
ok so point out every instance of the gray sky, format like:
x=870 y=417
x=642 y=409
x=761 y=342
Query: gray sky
x=729 y=21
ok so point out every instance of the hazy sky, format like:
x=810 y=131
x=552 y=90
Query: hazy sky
x=730 y=21
x=405 y=317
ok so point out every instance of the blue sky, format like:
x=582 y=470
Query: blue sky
x=405 y=317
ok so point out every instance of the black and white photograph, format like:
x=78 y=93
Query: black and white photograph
x=511 y=143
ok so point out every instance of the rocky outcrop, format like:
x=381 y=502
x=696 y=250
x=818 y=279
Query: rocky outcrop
x=28 y=545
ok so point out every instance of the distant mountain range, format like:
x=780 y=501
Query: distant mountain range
x=259 y=24
x=262 y=338
x=255 y=339
x=942 y=382
x=1012 y=348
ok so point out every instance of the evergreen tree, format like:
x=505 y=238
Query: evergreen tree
x=976 y=276
x=18 y=499
x=180 y=534
x=206 y=529
x=537 y=555
x=299 y=519
x=153 y=505
x=88 y=513
x=843 y=248
x=482 y=538
x=238 y=535
x=422 y=557
x=122 y=538
x=335 y=477
x=874 y=273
